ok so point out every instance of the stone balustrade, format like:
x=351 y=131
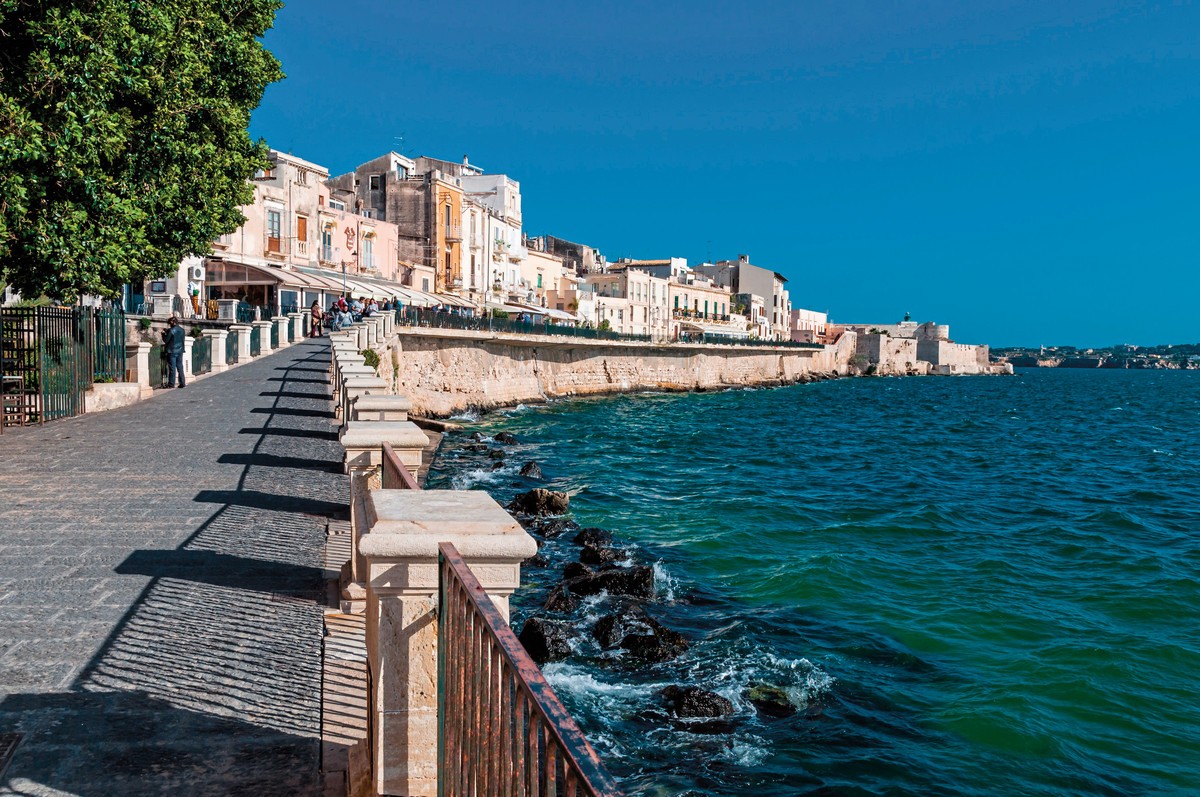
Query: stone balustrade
x=400 y=555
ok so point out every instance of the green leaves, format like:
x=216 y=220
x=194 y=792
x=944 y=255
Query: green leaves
x=123 y=143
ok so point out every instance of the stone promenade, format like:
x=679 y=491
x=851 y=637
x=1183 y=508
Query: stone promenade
x=161 y=591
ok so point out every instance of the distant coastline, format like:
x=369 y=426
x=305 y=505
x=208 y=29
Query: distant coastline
x=1169 y=357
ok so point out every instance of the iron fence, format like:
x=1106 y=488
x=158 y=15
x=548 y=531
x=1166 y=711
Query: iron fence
x=157 y=365
x=291 y=330
x=274 y=336
x=231 y=347
x=255 y=341
x=201 y=355
x=730 y=340
x=442 y=319
x=108 y=357
x=246 y=313
x=48 y=357
x=501 y=728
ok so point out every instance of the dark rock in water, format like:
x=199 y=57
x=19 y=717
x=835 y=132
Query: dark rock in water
x=538 y=502
x=477 y=448
x=708 y=727
x=495 y=453
x=600 y=556
x=576 y=570
x=497 y=466
x=537 y=560
x=546 y=640
x=637 y=632
x=595 y=537
x=770 y=700
x=479 y=437
x=505 y=438
x=530 y=470
x=554 y=527
x=633 y=582
x=560 y=600
x=692 y=701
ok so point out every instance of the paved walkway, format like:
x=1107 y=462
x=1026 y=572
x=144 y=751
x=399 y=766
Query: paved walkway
x=161 y=591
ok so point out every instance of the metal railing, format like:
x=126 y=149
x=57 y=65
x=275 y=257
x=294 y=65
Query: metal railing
x=157 y=365
x=201 y=355
x=255 y=341
x=274 y=336
x=394 y=475
x=501 y=728
x=246 y=313
x=108 y=359
x=441 y=319
x=231 y=347
x=730 y=340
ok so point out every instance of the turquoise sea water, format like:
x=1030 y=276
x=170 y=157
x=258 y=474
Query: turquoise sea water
x=967 y=585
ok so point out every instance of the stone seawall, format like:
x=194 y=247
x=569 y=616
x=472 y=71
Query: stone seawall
x=446 y=371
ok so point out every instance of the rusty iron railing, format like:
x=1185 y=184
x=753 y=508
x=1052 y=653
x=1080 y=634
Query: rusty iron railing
x=395 y=476
x=501 y=728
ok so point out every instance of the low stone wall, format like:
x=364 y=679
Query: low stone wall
x=446 y=371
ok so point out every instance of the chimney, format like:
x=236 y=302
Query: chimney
x=743 y=258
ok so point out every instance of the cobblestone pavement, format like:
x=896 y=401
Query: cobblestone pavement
x=161 y=588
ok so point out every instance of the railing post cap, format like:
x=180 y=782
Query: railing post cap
x=367 y=434
x=410 y=524
x=391 y=403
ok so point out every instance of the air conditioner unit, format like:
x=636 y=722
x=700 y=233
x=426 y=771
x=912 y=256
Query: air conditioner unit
x=197 y=274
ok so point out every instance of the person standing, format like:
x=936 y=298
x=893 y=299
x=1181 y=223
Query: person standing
x=317 y=317
x=173 y=345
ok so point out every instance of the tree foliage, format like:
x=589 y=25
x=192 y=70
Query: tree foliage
x=123 y=141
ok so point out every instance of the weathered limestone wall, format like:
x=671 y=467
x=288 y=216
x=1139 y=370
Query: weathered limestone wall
x=891 y=356
x=447 y=371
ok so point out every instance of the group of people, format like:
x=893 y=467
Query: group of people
x=344 y=312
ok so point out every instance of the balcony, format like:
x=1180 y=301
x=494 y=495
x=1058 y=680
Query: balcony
x=273 y=247
x=454 y=233
x=302 y=248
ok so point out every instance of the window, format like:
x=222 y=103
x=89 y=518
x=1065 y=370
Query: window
x=401 y=172
x=327 y=244
x=274 y=230
x=301 y=177
x=447 y=215
x=706 y=308
x=337 y=204
x=302 y=228
x=374 y=183
x=369 y=251
x=676 y=302
x=367 y=213
x=539 y=280
x=425 y=283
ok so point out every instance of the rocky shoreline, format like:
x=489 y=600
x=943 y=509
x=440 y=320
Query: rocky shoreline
x=597 y=601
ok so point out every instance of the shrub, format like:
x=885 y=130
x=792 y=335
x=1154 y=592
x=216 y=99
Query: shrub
x=144 y=324
x=371 y=358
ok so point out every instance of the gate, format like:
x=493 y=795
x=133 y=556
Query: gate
x=108 y=361
x=46 y=361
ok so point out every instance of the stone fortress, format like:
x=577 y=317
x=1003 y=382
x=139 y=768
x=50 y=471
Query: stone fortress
x=908 y=348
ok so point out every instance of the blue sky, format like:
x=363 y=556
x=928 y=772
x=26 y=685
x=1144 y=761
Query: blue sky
x=1027 y=172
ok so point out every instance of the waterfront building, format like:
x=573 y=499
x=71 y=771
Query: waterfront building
x=302 y=242
x=633 y=300
x=741 y=276
x=580 y=258
x=808 y=326
x=425 y=204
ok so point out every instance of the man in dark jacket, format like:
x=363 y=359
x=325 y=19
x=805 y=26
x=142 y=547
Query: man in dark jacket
x=173 y=345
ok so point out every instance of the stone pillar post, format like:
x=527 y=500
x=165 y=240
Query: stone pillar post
x=360 y=329
x=282 y=323
x=389 y=323
x=380 y=408
x=347 y=367
x=402 y=622
x=363 y=442
x=264 y=337
x=188 y=342
x=296 y=320
x=137 y=362
x=218 y=337
x=355 y=386
x=243 y=340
